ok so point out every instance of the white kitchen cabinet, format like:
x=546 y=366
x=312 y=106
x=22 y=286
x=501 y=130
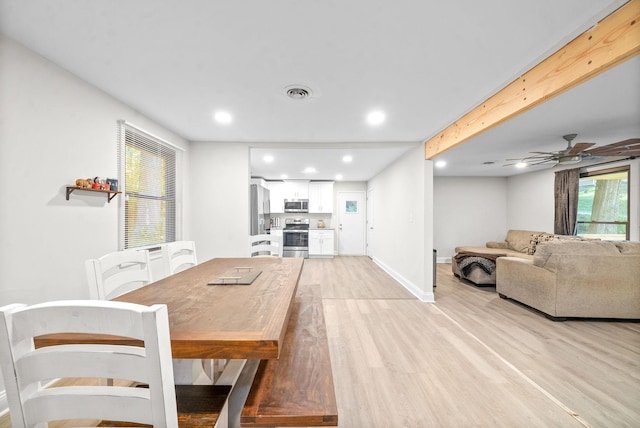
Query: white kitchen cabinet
x=296 y=189
x=290 y=189
x=321 y=197
x=277 y=195
x=321 y=243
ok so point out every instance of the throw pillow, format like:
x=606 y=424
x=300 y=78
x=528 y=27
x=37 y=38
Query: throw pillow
x=518 y=240
x=537 y=238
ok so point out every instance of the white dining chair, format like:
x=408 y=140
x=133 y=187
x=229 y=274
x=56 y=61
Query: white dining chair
x=27 y=370
x=117 y=273
x=178 y=256
x=265 y=245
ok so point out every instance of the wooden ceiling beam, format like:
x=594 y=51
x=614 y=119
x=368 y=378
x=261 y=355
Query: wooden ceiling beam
x=612 y=41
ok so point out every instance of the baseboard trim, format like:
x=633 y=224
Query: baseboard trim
x=443 y=260
x=427 y=297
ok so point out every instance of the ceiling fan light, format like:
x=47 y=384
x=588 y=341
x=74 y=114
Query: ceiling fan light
x=569 y=160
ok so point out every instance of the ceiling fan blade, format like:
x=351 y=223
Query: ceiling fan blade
x=630 y=147
x=579 y=147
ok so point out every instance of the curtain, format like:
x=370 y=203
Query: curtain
x=566 y=201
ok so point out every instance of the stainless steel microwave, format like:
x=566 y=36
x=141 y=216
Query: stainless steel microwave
x=296 y=205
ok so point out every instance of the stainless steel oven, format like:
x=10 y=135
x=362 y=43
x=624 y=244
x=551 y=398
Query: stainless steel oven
x=295 y=238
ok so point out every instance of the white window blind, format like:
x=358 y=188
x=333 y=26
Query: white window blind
x=147 y=171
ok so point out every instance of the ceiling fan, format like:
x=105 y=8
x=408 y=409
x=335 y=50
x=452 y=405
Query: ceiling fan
x=578 y=152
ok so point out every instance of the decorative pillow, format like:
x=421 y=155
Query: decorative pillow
x=537 y=238
x=518 y=240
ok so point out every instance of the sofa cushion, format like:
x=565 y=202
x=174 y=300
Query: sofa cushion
x=518 y=240
x=547 y=252
x=493 y=244
x=628 y=247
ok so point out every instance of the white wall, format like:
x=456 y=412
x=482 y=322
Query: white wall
x=403 y=212
x=55 y=128
x=468 y=211
x=219 y=180
x=531 y=199
x=474 y=210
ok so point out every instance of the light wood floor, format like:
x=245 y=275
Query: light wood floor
x=470 y=359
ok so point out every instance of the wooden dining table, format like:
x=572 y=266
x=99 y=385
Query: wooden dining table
x=228 y=321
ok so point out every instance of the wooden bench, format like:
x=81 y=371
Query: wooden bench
x=296 y=389
x=198 y=406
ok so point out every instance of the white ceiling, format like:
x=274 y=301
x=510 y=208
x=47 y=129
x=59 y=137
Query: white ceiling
x=423 y=63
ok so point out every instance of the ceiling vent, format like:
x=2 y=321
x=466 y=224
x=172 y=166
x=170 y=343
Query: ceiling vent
x=297 y=92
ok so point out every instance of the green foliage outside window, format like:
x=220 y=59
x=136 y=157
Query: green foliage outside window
x=603 y=205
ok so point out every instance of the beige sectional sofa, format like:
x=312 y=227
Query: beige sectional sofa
x=569 y=278
x=477 y=264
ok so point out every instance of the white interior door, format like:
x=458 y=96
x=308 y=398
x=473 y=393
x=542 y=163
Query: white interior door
x=351 y=223
x=370 y=196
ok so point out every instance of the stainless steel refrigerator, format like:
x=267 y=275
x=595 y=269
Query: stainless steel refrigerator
x=260 y=209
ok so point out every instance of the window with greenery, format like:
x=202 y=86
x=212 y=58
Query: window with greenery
x=603 y=204
x=147 y=172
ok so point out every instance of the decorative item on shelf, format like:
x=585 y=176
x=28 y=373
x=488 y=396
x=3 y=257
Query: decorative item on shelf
x=84 y=183
x=100 y=184
x=113 y=184
x=321 y=224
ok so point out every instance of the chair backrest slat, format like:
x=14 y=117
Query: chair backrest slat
x=117 y=273
x=25 y=369
x=265 y=245
x=178 y=256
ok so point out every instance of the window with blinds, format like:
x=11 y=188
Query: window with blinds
x=148 y=175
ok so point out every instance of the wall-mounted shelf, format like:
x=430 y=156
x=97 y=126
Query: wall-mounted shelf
x=110 y=193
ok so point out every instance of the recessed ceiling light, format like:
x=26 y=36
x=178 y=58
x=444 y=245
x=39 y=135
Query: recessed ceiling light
x=268 y=158
x=339 y=177
x=284 y=176
x=347 y=158
x=441 y=164
x=310 y=170
x=375 y=118
x=521 y=165
x=223 y=117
